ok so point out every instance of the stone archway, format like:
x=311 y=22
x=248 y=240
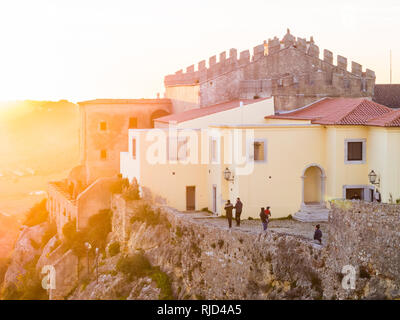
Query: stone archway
x=157 y=114
x=313 y=185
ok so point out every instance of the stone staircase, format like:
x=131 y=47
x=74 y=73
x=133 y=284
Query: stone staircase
x=314 y=212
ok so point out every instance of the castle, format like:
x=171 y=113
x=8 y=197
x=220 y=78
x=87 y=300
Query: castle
x=290 y=70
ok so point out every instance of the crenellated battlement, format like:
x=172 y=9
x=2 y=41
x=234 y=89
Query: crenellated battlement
x=200 y=73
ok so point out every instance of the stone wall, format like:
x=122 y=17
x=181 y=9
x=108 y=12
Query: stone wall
x=206 y=261
x=66 y=269
x=367 y=236
x=115 y=115
x=290 y=69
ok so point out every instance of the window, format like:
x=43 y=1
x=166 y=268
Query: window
x=355 y=151
x=132 y=123
x=259 y=151
x=134 y=148
x=103 y=154
x=103 y=126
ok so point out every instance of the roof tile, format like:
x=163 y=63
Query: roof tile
x=338 y=111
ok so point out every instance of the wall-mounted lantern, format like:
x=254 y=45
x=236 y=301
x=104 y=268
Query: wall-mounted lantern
x=228 y=175
x=373 y=178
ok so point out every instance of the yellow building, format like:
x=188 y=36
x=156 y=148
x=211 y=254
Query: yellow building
x=293 y=162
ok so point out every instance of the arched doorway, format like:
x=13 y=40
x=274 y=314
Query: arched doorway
x=313 y=185
x=157 y=114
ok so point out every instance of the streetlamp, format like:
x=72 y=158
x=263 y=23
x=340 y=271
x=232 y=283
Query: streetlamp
x=228 y=174
x=88 y=247
x=97 y=265
x=373 y=178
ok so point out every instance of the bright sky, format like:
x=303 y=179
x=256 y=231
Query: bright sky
x=79 y=50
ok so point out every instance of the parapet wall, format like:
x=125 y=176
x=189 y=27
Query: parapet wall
x=195 y=253
x=228 y=63
x=366 y=236
x=289 y=69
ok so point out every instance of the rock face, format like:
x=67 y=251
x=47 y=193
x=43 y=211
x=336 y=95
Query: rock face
x=366 y=237
x=203 y=260
x=26 y=249
x=206 y=261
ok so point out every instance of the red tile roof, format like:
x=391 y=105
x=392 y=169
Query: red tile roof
x=205 y=111
x=391 y=119
x=337 y=111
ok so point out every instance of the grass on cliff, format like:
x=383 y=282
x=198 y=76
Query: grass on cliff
x=28 y=286
x=129 y=191
x=138 y=266
x=99 y=226
x=151 y=217
x=37 y=214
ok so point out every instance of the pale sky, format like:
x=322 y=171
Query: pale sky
x=80 y=50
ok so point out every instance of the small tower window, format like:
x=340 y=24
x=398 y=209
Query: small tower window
x=103 y=126
x=103 y=154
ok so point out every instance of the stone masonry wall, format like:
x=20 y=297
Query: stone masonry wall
x=367 y=236
x=206 y=261
x=290 y=69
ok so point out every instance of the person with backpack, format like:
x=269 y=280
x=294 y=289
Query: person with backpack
x=228 y=209
x=268 y=213
x=238 y=211
x=264 y=219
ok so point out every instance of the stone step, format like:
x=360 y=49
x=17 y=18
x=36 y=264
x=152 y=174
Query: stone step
x=317 y=216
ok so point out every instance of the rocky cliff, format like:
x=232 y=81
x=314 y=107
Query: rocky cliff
x=190 y=256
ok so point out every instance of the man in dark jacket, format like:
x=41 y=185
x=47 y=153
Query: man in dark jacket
x=238 y=211
x=264 y=219
x=318 y=234
x=228 y=210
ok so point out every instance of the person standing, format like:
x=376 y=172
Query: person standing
x=228 y=210
x=268 y=213
x=238 y=211
x=318 y=234
x=264 y=219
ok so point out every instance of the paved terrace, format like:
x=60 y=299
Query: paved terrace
x=304 y=230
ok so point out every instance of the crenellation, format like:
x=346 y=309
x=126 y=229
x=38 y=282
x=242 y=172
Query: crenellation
x=301 y=44
x=212 y=61
x=202 y=65
x=356 y=68
x=244 y=58
x=274 y=45
x=294 y=64
x=245 y=55
x=328 y=56
x=369 y=73
x=233 y=54
x=179 y=71
x=222 y=57
x=258 y=52
x=190 y=69
x=313 y=50
x=288 y=40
